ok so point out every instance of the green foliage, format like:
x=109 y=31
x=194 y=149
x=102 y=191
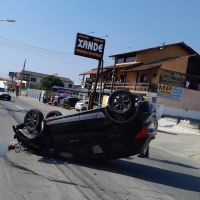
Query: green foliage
x=49 y=81
x=37 y=87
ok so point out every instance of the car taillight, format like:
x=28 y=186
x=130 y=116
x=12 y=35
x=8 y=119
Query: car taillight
x=142 y=133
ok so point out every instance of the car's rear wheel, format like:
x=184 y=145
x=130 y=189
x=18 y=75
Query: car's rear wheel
x=122 y=106
x=53 y=113
x=33 y=121
x=122 y=101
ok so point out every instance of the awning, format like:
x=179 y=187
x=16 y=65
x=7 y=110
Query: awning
x=126 y=65
x=145 y=67
x=94 y=71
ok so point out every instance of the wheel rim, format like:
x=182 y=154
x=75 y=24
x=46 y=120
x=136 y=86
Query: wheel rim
x=121 y=103
x=31 y=120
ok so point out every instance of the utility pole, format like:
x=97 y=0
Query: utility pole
x=22 y=75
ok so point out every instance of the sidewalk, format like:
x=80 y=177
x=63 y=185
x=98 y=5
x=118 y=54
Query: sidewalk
x=47 y=107
x=171 y=125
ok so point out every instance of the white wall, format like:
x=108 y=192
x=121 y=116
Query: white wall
x=177 y=112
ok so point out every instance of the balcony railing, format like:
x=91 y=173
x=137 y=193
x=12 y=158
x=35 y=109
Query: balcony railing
x=128 y=86
x=140 y=86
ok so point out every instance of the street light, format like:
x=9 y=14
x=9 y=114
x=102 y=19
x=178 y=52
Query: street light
x=7 y=20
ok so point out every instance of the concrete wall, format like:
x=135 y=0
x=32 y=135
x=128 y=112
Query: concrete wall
x=189 y=101
x=36 y=94
x=177 y=112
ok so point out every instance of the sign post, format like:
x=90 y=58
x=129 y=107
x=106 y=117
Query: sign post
x=91 y=47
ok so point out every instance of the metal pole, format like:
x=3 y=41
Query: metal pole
x=93 y=94
x=101 y=78
x=113 y=77
x=22 y=76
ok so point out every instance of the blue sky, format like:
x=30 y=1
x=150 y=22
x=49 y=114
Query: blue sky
x=45 y=31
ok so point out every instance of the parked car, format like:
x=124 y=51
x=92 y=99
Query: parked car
x=69 y=102
x=123 y=128
x=82 y=105
x=4 y=94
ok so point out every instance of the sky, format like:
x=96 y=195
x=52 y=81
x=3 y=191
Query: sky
x=45 y=31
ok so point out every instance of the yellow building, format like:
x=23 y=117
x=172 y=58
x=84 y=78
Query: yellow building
x=167 y=74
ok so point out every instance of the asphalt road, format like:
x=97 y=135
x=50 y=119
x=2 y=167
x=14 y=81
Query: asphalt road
x=171 y=172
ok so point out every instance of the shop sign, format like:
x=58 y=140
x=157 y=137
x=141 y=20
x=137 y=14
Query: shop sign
x=170 y=92
x=88 y=46
x=12 y=74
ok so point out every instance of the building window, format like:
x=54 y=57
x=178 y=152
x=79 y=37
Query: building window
x=130 y=59
x=33 y=79
x=26 y=77
x=143 y=78
x=70 y=85
x=120 y=60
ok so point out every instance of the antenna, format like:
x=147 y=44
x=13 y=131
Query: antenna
x=91 y=32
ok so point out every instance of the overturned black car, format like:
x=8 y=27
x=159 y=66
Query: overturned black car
x=123 y=128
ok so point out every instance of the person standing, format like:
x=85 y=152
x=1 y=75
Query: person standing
x=17 y=91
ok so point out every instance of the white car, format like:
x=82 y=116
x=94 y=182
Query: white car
x=4 y=94
x=82 y=105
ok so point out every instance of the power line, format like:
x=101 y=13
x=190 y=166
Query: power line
x=56 y=55
x=23 y=45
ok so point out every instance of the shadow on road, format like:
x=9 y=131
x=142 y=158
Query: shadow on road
x=140 y=171
x=14 y=110
x=173 y=163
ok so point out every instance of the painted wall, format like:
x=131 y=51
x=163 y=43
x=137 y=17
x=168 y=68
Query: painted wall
x=177 y=65
x=131 y=77
x=162 y=110
x=189 y=101
x=153 y=55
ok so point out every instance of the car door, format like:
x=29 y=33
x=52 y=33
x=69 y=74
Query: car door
x=95 y=125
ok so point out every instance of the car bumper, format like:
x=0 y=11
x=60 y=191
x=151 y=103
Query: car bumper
x=78 y=107
x=6 y=97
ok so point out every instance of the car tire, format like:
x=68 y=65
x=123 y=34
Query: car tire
x=53 y=113
x=67 y=106
x=33 y=122
x=122 y=106
x=83 y=109
x=122 y=102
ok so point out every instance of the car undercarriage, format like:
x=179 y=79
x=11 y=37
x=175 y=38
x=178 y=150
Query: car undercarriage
x=123 y=128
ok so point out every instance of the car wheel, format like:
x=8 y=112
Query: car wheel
x=83 y=109
x=122 y=102
x=122 y=106
x=33 y=121
x=53 y=113
x=9 y=99
x=67 y=106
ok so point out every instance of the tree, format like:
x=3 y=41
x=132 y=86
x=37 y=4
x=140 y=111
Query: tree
x=49 y=81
